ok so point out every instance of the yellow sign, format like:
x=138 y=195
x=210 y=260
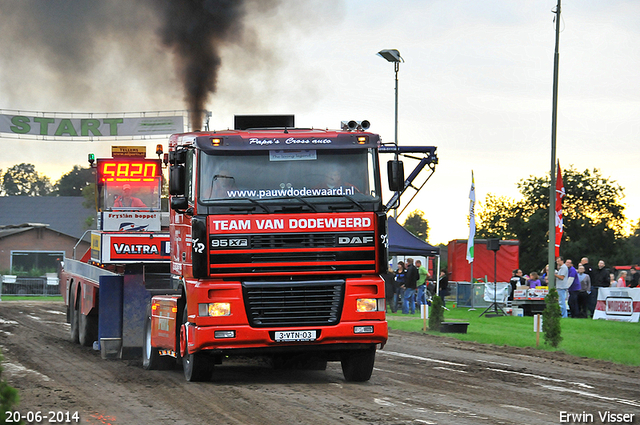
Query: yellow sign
x=96 y=241
x=128 y=151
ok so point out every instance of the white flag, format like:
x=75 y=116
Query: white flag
x=472 y=220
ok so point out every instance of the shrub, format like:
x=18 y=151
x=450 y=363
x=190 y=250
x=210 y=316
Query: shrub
x=436 y=315
x=8 y=396
x=551 y=319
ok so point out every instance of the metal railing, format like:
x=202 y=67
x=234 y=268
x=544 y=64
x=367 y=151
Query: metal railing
x=466 y=294
x=29 y=286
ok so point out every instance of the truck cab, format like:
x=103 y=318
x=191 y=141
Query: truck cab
x=278 y=239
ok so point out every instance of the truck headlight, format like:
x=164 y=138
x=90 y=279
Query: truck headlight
x=214 y=309
x=370 y=304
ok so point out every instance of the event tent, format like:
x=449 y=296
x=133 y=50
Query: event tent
x=403 y=242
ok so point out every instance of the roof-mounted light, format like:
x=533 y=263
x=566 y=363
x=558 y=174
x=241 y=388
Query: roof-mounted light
x=216 y=142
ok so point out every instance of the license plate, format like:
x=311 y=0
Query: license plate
x=295 y=335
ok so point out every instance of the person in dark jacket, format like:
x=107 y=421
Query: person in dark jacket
x=600 y=279
x=410 y=281
x=443 y=281
x=390 y=289
x=401 y=272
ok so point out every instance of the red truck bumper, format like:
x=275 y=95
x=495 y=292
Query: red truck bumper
x=245 y=337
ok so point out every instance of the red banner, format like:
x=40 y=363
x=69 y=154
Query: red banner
x=223 y=224
x=559 y=195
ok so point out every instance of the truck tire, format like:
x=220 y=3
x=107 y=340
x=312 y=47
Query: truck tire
x=151 y=358
x=197 y=367
x=87 y=329
x=357 y=365
x=73 y=319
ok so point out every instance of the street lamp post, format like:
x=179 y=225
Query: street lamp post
x=393 y=55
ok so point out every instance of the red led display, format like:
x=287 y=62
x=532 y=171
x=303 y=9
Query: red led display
x=129 y=170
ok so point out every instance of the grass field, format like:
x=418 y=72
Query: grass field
x=617 y=342
x=32 y=298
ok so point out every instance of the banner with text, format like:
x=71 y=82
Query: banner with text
x=621 y=304
x=90 y=126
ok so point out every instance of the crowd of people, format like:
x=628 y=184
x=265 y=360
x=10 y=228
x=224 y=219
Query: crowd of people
x=577 y=287
x=410 y=286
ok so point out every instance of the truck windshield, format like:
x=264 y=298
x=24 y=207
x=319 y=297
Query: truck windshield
x=316 y=175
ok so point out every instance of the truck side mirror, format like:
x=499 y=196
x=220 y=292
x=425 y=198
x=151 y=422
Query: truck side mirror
x=176 y=180
x=179 y=203
x=395 y=173
x=177 y=157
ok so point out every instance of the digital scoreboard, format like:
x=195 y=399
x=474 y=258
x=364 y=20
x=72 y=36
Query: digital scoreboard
x=128 y=170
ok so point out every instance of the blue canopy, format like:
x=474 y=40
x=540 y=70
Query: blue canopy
x=403 y=242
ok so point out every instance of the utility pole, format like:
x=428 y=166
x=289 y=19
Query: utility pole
x=552 y=187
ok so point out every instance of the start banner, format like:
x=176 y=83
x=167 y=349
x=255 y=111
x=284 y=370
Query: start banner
x=77 y=126
x=622 y=304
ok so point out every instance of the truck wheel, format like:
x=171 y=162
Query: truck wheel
x=87 y=329
x=197 y=366
x=73 y=319
x=151 y=358
x=357 y=365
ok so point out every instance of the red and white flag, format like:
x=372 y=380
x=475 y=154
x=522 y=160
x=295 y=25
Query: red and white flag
x=559 y=195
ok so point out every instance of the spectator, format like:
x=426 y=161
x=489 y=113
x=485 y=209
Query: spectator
x=516 y=280
x=599 y=279
x=562 y=285
x=635 y=277
x=583 y=294
x=389 y=289
x=444 y=285
x=587 y=267
x=401 y=271
x=544 y=276
x=410 y=281
x=612 y=280
x=423 y=274
x=622 y=279
x=573 y=289
x=534 y=280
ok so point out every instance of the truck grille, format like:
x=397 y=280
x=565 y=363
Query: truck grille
x=287 y=254
x=293 y=304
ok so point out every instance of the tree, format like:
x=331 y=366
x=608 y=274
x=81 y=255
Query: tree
x=23 y=180
x=417 y=224
x=72 y=183
x=592 y=216
x=89 y=195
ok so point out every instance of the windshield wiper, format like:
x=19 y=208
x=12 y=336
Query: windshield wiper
x=358 y=204
x=253 y=201
x=307 y=203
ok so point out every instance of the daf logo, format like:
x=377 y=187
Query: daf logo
x=354 y=240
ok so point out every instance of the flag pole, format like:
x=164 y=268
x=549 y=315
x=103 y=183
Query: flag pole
x=552 y=186
x=472 y=234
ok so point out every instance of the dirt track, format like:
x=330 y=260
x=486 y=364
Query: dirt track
x=418 y=379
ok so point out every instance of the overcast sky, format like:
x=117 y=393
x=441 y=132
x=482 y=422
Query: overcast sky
x=476 y=82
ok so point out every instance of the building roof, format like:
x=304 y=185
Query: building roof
x=63 y=214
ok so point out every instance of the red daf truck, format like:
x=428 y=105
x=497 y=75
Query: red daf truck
x=277 y=241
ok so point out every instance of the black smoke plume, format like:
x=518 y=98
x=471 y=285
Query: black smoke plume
x=196 y=30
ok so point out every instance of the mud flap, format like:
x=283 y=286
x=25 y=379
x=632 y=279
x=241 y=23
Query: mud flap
x=110 y=318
